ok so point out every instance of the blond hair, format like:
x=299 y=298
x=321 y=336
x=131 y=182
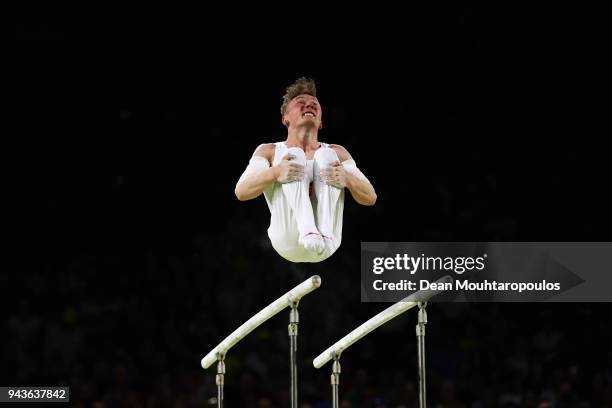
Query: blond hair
x=300 y=87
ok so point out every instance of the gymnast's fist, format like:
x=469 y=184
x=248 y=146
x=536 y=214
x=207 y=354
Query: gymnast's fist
x=289 y=171
x=334 y=175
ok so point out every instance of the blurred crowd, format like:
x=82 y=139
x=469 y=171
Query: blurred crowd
x=127 y=328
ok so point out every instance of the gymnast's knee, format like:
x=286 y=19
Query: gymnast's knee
x=300 y=156
x=324 y=156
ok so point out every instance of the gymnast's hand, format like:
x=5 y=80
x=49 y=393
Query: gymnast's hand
x=288 y=171
x=334 y=175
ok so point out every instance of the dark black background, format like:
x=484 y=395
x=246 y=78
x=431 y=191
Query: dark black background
x=471 y=123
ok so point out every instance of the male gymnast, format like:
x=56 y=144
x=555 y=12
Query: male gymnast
x=305 y=223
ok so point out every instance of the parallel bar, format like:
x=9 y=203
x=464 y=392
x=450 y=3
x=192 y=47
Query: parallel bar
x=420 y=332
x=375 y=322
x=220 y=379
x=335 y=381
x=294 y=319
x=289 y=298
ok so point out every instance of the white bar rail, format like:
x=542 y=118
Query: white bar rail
x=375 y=322
x=289 y=298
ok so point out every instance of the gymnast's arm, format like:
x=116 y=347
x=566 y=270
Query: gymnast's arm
x=258 y=175
x=350 y=176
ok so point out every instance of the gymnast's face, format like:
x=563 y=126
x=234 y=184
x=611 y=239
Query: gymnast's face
x=303 y=110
